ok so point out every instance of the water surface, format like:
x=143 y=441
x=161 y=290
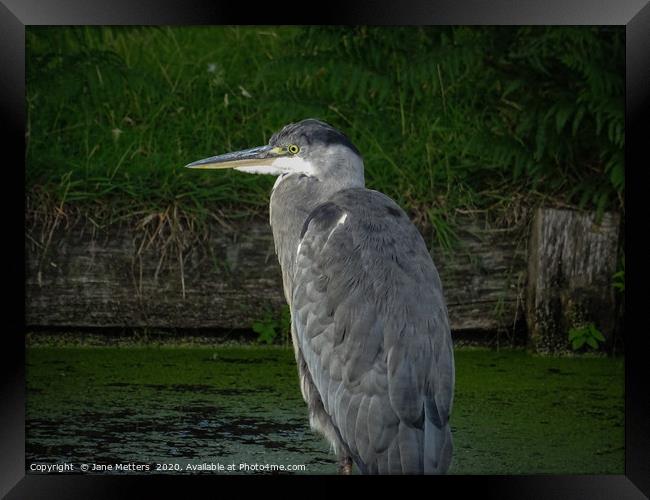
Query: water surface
x=177 y=409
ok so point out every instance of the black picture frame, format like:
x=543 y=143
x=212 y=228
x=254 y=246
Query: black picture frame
x=16 y=14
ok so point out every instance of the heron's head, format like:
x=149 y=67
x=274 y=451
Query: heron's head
x=310 y=147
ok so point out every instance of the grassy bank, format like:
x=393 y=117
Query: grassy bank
x=447 y=118
x=513 y=413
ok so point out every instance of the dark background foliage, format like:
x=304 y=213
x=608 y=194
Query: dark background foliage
x=447 y=118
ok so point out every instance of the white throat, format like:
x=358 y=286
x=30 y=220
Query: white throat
x=283 y=165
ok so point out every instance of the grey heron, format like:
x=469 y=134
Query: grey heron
x=369 y=322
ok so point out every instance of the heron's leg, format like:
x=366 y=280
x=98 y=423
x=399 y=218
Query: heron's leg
x=345 y=465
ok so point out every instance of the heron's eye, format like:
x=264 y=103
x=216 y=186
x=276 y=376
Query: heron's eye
x=293 y=149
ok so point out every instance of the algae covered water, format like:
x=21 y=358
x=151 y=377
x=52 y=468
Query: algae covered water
x=228 y=410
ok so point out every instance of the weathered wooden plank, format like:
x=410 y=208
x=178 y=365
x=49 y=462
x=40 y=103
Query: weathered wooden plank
x=230 y=278
x=572 y=260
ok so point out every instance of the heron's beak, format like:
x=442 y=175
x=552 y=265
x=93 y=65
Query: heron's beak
x=255 y=157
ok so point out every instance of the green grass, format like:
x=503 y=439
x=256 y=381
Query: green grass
x=446 y=118
x=115 y=113
x=513 y=413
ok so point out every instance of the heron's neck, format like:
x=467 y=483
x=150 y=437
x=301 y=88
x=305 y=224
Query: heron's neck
x=293 y=198
x=297 y=194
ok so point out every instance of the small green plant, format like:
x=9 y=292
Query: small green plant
x=619 y=278
x=585 y=334
x=265 y=329
x=273 y=327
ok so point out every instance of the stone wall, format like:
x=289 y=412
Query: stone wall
x=121 y=277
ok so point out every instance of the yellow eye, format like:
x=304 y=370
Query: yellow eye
x=293 y=149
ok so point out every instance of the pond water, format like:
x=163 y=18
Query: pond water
x=225 y=410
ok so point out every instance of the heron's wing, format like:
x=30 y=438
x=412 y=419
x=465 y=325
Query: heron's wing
x=372 y=327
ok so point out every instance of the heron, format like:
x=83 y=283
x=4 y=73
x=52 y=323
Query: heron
x=369 y=323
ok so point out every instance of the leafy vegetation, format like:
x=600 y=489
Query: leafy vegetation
x=274 y=327
x=447 y=117
x=619 y=277
x=586 y=334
